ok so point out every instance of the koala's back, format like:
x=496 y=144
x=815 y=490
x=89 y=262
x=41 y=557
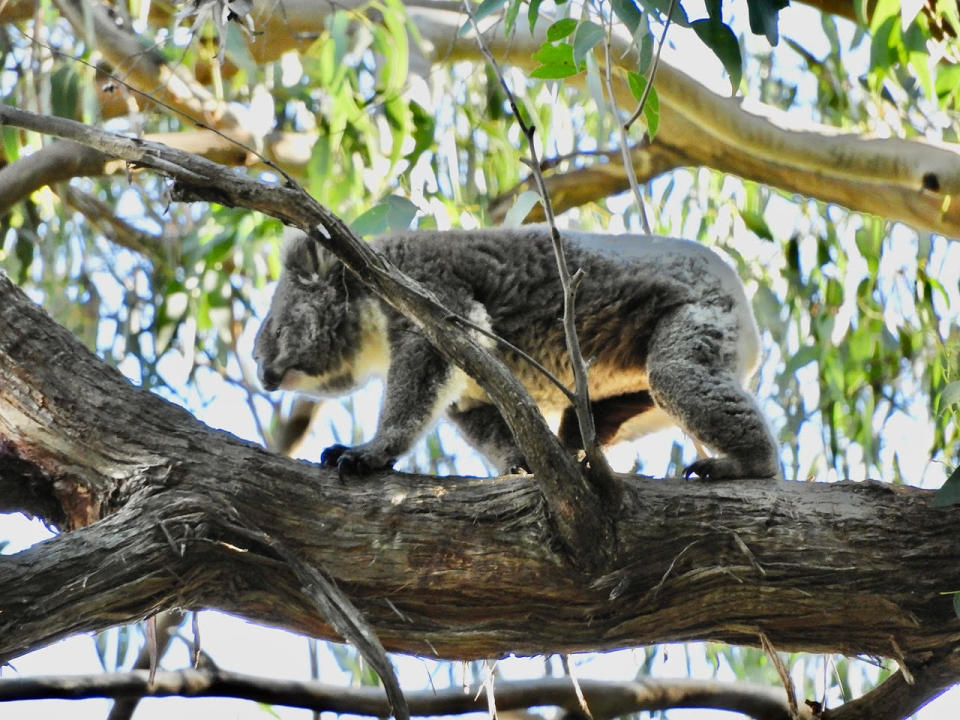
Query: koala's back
x=631 y=282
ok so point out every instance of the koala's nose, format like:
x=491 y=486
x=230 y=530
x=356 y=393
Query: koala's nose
x=269 y=377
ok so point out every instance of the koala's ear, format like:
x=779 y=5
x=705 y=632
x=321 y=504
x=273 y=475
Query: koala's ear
x=301 y=257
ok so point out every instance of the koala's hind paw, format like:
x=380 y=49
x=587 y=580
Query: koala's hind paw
x=725 y=468
x=353 y=462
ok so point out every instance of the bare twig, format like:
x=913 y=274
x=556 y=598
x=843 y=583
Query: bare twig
x=578 y=691
x=622 y=130
x=341 y=613
x=581 y=402
x=166 y=625
x=783 y=673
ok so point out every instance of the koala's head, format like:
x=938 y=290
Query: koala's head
x=311 y=331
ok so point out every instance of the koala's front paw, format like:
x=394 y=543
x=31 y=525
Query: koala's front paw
x=355 y=461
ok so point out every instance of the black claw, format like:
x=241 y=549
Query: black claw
x=704 y=469
x=331 y=456
x=351 y=462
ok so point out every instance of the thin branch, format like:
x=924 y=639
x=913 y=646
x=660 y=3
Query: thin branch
x=600 y=469
x=781 y=669
x=623 y=127
x=167 y=623
x=342 y=614
x=577 y=689
x=607 y=699
x=653 y=68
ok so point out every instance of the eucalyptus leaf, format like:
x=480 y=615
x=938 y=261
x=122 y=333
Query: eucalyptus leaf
x=553 y=72
x=533 y=14
x=561 y=29
x=949 y=494
x=764 y=17
x=720 y=38
x=521 y=208
x=949 y=396
x=678 y=16
x=629 y=14
x=587 y=36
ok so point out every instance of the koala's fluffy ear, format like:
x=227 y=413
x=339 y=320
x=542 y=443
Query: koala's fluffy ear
x=302 y=258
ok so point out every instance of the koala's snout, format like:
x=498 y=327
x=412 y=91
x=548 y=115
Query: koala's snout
x=269 y=377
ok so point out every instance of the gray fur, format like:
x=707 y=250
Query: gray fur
x=665 y=322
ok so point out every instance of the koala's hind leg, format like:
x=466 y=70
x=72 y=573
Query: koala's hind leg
x=694 y=378
x=485 y=429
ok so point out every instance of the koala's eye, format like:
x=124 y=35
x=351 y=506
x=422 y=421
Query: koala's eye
x=276 y=333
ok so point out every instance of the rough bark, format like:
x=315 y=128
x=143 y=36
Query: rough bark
x=175 y=514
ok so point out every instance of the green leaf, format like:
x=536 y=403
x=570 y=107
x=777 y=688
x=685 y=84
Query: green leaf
x=763 y=18
x=561 y=29
x=488 y=7
x=553 y=72
x=660 y=7
x=549 y=54
x=949 y=494
x=400 y=212
x=629 y=14
x=64 y=92
x=651 y=109
x=394 y=213
x=11 y=142
x=636 y=82
x=948 y=80
x=714 y=10
x=424 y=129
x=511 y=16
x=884 y=10
x=556 y=62
x=587 y=37
x=533 y=14
x=804 y=356
x=485 y=8
x=237 y=48
x=950 y=395
x=720 y=38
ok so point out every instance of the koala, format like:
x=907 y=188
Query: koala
x=664 y=323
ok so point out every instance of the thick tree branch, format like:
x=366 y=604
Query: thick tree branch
x=64 y=160
x=606 y=700
x=908 y=180
x=851 y=568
